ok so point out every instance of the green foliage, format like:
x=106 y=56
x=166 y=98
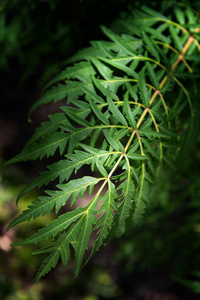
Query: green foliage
x=129 y=115
x=194 y=285
x=24 y=35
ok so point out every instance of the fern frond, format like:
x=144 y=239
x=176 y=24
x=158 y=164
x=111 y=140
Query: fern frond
x=54 y=227
x=128 y=115
x=56 y=199
x=141 y=197
x=42 y=148
x=59 y=249
x=82 y=71
x=127 y=189
x=86 y=229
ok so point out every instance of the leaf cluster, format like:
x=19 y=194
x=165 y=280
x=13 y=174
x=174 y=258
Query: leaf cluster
x=128 y=114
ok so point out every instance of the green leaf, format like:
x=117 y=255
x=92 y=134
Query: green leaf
x=153 y=134
x=86 y=230
x=102 y=68
x=62 y=169
x=128 y=111
x=54 y=227
x=93 y=51
x=49 y=263
x=58 y=93
x=123 y=46
x=104 y=222
x=150 y=149
x=167 y=130
x=153 y=12
x=112 y=142
x=99 y=84
x=152 y=75
x=55 y=199
x=143 y=89
x=60 y=249
x=113 y=108
x=177 y=41
x=136 y=156
x=151 y=46
x=79 y=120
x=98 y=112
x=100 y=167
x=128 y=190
x=121 y=65
x=155 y=33
x=49 y=127
x=78 y=71
x=46 y=147
x=92 y=95
x=179 y=15
x=141 y=198
x=132 y=90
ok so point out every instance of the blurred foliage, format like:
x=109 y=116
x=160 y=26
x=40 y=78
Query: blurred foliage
x=168 y=239
x=29 y=32
x=43 y=34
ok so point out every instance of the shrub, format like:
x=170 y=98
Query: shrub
x=129 y=115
